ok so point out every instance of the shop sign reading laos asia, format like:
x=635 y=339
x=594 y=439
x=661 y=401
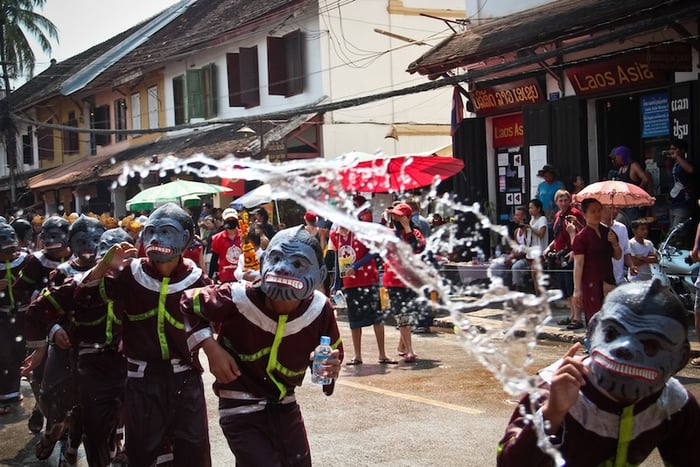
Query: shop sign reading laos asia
x=636 y=70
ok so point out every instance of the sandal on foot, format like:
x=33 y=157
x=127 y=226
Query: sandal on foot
x=409 y=358
x=387 y=361
x=35 y=422
x=65 y=462
x=44 y=447
x=69 y=458
x=564 y=322
x=401 y=354
x=695 y=362
x=354 y=361
x=575 y=324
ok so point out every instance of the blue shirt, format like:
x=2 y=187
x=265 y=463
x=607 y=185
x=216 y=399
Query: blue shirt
x=545 y=193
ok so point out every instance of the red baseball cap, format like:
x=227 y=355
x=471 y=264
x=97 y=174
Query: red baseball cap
x=311 y=217
x=401 y=209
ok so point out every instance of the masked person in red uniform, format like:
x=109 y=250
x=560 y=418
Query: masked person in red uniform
x=33 y=277
x=164 y=398
x=94 y=334
x=615 y=406
x=263 y=350
x=48 y=319
x=12 y=345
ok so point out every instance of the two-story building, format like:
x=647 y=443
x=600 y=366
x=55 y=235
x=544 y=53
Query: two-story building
x=189 y=79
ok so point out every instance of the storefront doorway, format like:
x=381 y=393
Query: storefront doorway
x=618 y=125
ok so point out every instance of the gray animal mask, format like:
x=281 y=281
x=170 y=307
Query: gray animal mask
x=292 y=265
x=167 y=233
x=638 y=341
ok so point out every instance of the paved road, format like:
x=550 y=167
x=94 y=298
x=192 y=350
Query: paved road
x=445 y=410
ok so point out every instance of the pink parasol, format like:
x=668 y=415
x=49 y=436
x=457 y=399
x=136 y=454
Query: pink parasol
x=616 y=193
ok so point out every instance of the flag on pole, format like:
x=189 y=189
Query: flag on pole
x=457 y=110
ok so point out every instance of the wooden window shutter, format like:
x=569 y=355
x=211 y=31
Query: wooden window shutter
x=211 y=96
x=45 y=141
x=234 y=80
x=71 y=140
x=294 y=62
x=276 y=67
x=179 y=100
x=195 y=94
x=250 y=87
x=28 y=146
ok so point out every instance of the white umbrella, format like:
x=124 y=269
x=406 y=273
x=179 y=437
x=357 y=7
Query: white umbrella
x=256 y=197
x=260 y=195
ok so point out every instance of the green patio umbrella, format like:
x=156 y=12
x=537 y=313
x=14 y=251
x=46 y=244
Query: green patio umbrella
x=177 y=191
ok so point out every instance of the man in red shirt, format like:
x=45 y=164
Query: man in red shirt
x=226 y=247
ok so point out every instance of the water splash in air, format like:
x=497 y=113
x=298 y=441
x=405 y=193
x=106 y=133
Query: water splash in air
x=316 y=185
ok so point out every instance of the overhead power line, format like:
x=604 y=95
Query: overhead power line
x=621 y=32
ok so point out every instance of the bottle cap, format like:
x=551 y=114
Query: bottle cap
x=325 y=340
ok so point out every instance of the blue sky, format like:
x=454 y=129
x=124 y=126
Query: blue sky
x=84 y=23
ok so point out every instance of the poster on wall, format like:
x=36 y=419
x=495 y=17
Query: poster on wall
x=654 y=109
x=508 y=140
x=511 y=182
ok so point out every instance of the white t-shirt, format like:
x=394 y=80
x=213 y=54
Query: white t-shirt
x=534 y=240
x=619 y=264
x=641 y=250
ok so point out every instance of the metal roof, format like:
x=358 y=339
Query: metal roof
x=558 y=21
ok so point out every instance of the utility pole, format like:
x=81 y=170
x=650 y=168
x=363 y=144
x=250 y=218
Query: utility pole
x=7 y=125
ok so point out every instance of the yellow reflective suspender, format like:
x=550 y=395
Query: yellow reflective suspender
x=10 y=282
x=624 y=436
x=272 y=362
x=162 y=339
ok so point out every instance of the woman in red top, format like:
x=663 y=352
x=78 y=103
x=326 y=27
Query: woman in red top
x=357 y=269
x=568 y=220
x=593 y=246
x=403 y=299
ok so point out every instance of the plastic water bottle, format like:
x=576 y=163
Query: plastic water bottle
x=498 y=251
x=339 y=299
x=323 y=351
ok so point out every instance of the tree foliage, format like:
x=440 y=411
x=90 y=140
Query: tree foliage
x=16 y=18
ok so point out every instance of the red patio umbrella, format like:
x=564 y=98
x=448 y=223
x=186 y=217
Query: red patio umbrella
x=384 y=174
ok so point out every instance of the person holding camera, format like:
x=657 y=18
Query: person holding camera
x=537 y=239
x=683 y=195
x=568 y=220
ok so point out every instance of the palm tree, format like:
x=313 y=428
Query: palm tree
x=16 y=56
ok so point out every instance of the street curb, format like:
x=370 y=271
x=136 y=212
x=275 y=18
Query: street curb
x=547 y=333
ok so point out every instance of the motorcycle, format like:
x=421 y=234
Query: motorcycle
x=676 y=270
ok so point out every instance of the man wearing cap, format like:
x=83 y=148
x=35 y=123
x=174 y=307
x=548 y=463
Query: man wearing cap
x=311 y=224
x=403 y=300
x=226 y=247
x=546 y=190
x=364 y=213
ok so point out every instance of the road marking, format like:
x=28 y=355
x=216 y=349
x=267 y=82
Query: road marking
x=422 y=400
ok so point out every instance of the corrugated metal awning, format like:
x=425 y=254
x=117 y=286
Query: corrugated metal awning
x=66 y=174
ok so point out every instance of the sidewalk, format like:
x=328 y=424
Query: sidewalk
x=491 y=318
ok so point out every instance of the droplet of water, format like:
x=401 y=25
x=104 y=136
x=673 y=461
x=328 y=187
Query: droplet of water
x=505 y=350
